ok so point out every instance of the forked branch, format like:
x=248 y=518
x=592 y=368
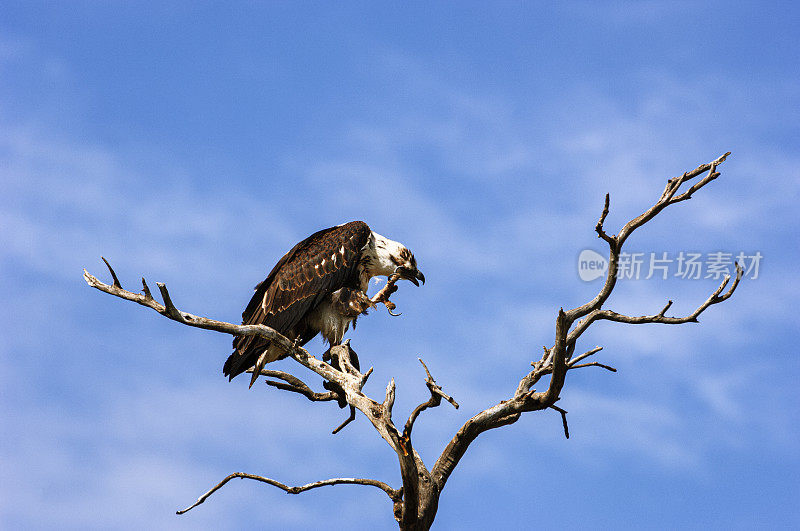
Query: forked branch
x=558 y=359
x=436 y=398
x=660 y=318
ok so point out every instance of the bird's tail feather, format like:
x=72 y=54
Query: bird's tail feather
x=255 y=354
x=244 y=356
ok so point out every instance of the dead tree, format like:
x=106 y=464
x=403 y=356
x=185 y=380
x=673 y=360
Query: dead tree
x=416 y=501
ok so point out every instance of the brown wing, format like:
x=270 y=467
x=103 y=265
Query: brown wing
x=322 y=263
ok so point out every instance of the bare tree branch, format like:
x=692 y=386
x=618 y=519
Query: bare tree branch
x=594 y=364
x=295 y=385
x=554 y=359
x=388 y=402
x=714 y=298
x=114 y=275
x=436 y=398
x=544 y=367
x=601 y=233
x=169 y=310
x=563 y=420
x=347 y=421
x=615 y=242
x=585 y=355
x=394 y=495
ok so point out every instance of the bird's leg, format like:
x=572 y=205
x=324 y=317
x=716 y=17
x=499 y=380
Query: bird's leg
x=359 y=303
x=353 y=358
x=333 y=386
x=383 y=295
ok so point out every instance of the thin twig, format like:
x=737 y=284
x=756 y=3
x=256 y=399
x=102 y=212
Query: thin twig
x=146 y=290
x=594 y=364
x=585 y=355
x=113 y=274
x=563 y=420
x=347 y=421
x=601 y=233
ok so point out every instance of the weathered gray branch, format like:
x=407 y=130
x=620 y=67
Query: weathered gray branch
x=295 y=385
x=169 y=310
x=609 y=315
x=394 y=495
x=593 y=364
x=585 y=355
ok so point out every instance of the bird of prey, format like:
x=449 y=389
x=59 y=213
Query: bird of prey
x=318 y=287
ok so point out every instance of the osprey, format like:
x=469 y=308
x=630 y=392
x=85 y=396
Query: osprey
x=318 y=287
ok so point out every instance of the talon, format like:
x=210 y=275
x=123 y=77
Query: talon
x=391 y=306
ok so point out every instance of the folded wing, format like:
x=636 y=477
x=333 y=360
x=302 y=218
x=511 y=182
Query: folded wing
x=317 y=266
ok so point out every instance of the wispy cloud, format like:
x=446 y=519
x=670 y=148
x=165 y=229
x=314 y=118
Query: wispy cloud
x=70 y=202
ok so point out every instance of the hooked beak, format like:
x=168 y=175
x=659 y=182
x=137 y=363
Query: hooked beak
x=412 y=275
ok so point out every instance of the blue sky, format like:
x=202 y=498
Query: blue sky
x=194 y=143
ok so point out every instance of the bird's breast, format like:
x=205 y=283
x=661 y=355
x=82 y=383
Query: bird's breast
x=328 y=321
